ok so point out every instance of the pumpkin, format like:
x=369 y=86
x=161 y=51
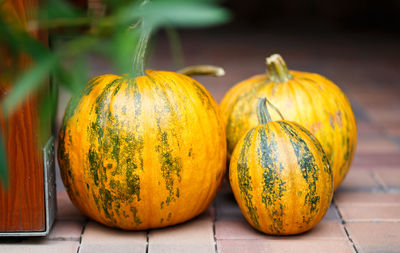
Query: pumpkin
x=306 y=98
x=143 y=151
x=280 y=176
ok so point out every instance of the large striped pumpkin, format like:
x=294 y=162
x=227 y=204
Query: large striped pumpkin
x=142 y=153
x=280 y=177
x=308 y=99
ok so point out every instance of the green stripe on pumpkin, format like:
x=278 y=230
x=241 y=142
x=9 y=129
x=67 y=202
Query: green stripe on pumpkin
x=327 y=167
x=244 y=178
x=268 y=153
x=306 y=162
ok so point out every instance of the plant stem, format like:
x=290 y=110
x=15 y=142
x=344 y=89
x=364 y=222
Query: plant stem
x=202 y=70
x=278 y=71
x=262 y=111
x=140 y=52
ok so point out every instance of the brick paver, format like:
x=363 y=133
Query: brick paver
x=362 y=207
x=331 y=214
x=236 y=230
x=368 y=129
x=284 y=245
x=375 y=237
x=377 y=145
x=359 y=180
x=66 y=230
x=389 y=178
x=370 y=212
x=226 y=206
x=66 y=210
x=99 y=238
x=365 y=198
x=193 y=236
x=376 y=161
x=36 y=245
x=384 y=115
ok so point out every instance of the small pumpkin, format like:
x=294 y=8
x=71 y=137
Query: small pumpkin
x=280 y=176
x=142 y=152
x=306 y=98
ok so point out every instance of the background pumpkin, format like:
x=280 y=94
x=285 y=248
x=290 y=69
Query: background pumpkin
x=306 y=98
x=142 y=151
x=280 y=176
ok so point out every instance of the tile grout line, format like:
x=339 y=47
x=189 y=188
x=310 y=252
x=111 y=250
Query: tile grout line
x=377 y=180
x=214 y=220
x=344 y=227
x=147 y=241
x=80 y=238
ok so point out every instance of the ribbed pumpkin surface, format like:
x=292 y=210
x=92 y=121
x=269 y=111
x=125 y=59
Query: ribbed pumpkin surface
x=281 y=178
x=142 y=153
x=308 y=99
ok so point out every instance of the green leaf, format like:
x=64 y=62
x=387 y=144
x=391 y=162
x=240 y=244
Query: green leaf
x=183 y=13
x=19 y=40
x=27 y=83
x=3 y=164
x=122 y=48
x=177 y=13
x=59 y=9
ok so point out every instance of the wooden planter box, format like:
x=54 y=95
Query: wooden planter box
x=28 y=205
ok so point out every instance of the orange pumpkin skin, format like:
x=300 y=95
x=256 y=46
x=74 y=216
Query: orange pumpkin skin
x=281 y=178
x=142 y=153
x=308 y=99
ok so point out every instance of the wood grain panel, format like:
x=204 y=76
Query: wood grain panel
x=22 y=206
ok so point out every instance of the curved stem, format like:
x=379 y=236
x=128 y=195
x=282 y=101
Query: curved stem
x=201 y=70
x=140 y=52
x=278 y=71
x=262 y=111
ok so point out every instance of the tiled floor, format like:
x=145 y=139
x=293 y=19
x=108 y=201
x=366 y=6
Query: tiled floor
x=365 y=213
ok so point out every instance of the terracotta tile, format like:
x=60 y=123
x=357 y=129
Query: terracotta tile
x=98 y=238
x=237 y=230
x=242 y=246
x=375 y=237
x=373 y=99
x=325 y=231
x=376 y=161
x=389 y=178
x=387 y=114
x=66 y=230
x=366 y=198
x=375 y=213
x=368 y=129
x=331 y=214
x=66 y=210
x=393 y=131
x=284 y=245
x=359 y=180
x=300 y=246
x=37 y=245
x=226 y=207
x=193 y=236
x=376 y=145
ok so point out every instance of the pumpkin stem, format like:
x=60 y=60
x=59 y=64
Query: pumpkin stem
x=140 y=52
x=262 y=111
x=201 y=70
x=278 y=71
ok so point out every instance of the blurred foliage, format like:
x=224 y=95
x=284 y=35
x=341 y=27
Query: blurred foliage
x=113 y=35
